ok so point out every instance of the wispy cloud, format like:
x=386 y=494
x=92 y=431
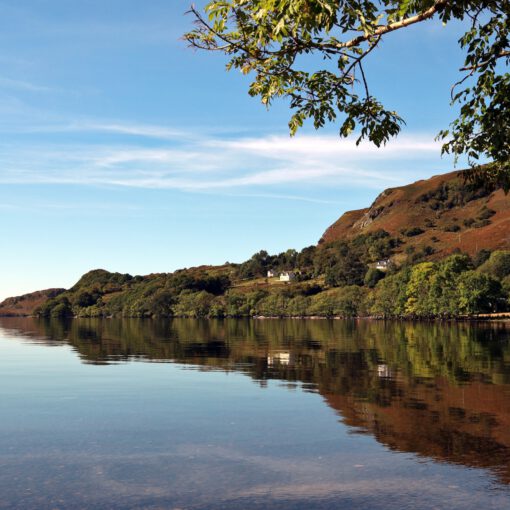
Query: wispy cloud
x=141 y=130
x=276 y=196
x=162 y=157
x=9 y=83
x=323 y=146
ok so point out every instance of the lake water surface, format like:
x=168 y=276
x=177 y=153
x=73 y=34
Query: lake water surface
x=268 y=414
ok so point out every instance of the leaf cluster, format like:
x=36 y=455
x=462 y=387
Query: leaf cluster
x=313 y=54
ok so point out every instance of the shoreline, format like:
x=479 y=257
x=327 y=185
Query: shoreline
x=500 y=317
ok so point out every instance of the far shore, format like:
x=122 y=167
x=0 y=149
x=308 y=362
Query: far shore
x=484 y=317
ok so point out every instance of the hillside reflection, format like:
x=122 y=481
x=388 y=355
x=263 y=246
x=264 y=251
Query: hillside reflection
x=436 y=390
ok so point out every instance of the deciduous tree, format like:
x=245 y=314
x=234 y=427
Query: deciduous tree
x=274 y=38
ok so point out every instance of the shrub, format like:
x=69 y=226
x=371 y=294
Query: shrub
x=481 y=257
x=498 y=265
x=373 y=276
x=412 y=232
x=452 y=228
x=481 y=223
x=193 y=304
x=298 y=306
x=485 y=213
x=274 y=305
x=349 y=270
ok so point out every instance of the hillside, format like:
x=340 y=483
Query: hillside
x=435 y=248
x=24 y=305
x=449 y=214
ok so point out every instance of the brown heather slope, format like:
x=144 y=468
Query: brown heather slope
x=434 y=205
x=24 y=305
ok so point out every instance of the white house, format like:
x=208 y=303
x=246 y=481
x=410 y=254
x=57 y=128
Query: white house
x=271 y=273
x=384 y=371
x=287 y=276
x=278 y=358
x=383 y=265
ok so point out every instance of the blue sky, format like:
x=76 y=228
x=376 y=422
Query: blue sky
x=121 y=148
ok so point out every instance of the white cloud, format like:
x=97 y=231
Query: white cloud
x=142 y=130
x=167 y=158
x=323 y=146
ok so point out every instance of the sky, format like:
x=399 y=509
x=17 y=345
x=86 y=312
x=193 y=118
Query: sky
x=121 y=148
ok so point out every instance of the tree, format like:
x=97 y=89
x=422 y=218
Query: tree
x=269 y=38
x=481 y=256
x=390 y=295
x=419 y=303
x=498 y=264
x=443 y=285
x=305 y=257
x=298 y=306
x=349 y=270
x=274 y=305
x=372 y=276
x=193 y=304
x=349 y=301
x=479 y=293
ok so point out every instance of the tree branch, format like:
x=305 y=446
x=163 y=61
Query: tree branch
x=429 y=13
x=505 y=53
x=360 y=58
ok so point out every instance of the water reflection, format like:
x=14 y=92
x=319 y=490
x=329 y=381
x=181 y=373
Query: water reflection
x=440 y=391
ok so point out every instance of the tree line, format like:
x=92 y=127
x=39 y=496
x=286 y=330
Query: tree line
x=335 y=280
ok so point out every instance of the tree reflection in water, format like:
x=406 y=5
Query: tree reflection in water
x=438 y=390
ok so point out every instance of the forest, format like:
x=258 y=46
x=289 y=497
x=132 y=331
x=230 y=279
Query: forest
x=338 y=279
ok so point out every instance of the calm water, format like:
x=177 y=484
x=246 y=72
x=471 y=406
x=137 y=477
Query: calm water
x=245 y=415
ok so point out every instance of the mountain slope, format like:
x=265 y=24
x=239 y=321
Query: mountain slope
x=426 y=220
x=24 y=305
x=440 y=212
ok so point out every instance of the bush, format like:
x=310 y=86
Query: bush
x=506 y=285
x=274 y=305
x=218 y=308
x=481 y=257
x=322 y=304
x=373 y=276
x=298 y=306
x=349 y=302
x=349 y=270
x=193 y=304
x=498 y=265
x=481 y=223
x=485 y=213
x=412 y=232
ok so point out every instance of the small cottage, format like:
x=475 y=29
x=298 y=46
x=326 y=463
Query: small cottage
x=383 y=265
x=271 y=273
x=287 y=276
x=278 y=358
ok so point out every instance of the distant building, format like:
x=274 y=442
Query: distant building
x=383 y=265
x=384 y=371
x=287 y=276
x=271 y=273
x=278 y=358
